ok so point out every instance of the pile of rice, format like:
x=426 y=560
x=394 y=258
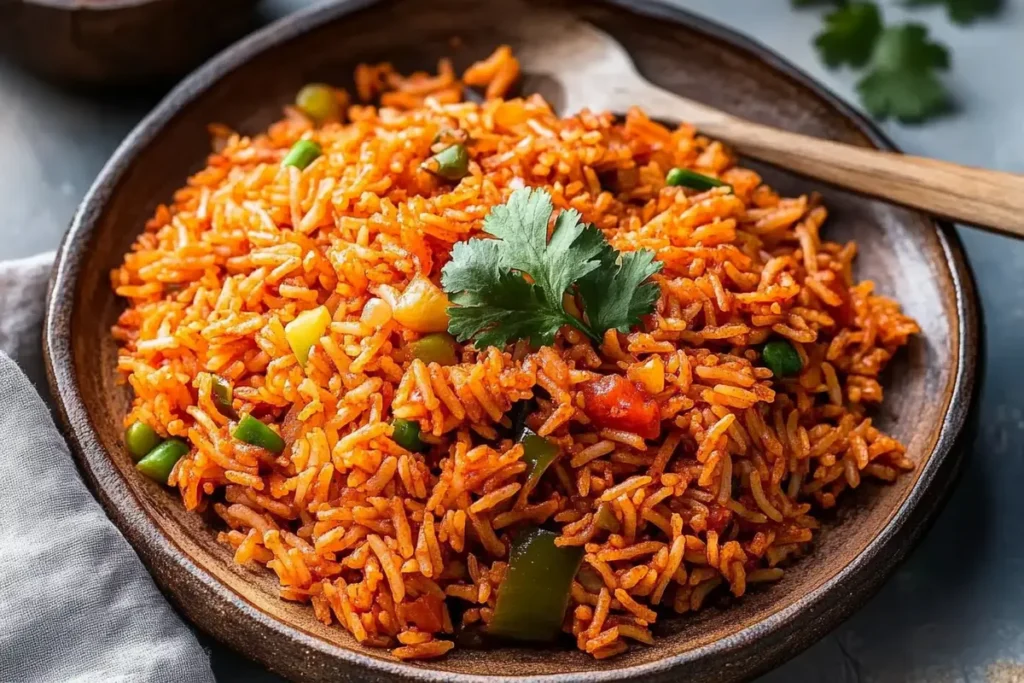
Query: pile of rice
x=383 y=541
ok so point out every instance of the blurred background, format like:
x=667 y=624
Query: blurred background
x=955 y=611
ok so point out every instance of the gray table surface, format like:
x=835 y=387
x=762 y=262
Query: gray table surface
x=955 y=611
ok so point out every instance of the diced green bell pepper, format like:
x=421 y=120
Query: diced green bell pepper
x=222 y=397
x=252 y=431
x=159 y=462
x=692 y=179
x=538 y=453
x=533 y=597
x=438 y=347
x=407 y=434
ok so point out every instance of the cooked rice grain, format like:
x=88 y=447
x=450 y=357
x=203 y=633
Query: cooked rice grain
x=376 y=538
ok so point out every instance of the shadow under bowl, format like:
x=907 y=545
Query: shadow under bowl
x=908 y=255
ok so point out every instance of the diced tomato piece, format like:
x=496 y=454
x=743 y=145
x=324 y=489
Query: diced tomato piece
x=424 y=612
x=613 y=402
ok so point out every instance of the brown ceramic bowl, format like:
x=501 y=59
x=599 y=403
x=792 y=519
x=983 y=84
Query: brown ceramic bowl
x=119 y=42
x=908 y=255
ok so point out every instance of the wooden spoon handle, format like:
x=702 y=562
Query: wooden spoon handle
x=987 y=199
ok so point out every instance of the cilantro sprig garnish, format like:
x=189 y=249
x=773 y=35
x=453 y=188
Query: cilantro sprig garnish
x=849 y=34
x=902 y=82
x=513 y=286
x=964 y=11
x=903 y=63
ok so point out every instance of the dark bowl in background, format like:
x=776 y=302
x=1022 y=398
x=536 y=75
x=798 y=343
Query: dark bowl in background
x=119 y=42
x=929 y=387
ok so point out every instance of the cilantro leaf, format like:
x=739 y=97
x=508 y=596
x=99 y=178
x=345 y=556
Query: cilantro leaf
x=964 y=11
x=512 y=287
x=522 y=225
x=619 y=294
x=902 y=82
x=850 y=34
x=505 y=309
x=907 y=96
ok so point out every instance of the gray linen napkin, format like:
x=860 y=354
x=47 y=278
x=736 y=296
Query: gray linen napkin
x=76 y=604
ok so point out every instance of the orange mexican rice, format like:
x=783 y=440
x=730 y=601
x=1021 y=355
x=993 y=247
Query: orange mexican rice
x=285 y=338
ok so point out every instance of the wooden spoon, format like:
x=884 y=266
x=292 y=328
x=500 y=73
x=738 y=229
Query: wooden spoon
x=595 y=72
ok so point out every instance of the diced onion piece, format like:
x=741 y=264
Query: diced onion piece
x=423 y=307
x=376 y=313
x=651 y=375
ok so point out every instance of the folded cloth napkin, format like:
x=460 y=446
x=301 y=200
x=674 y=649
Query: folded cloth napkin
x=76 y=604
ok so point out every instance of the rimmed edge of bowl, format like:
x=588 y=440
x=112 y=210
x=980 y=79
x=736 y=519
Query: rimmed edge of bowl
x=860 y=579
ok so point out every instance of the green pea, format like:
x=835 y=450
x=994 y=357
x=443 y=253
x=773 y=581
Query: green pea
x=438 y=347
x=302 y=154
x=781 y=358
x=691 y=179
x=318 y=102
x=252 y=431
x=159 y=462
x=140 y=439
x=451 y=163
x=407 y=434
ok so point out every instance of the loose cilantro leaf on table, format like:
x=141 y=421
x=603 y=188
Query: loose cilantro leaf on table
x=850 y=34
x=512 y=287
x=901 y=82
x=963 y=11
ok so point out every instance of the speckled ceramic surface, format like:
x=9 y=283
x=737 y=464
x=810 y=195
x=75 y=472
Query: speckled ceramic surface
x=929 y=387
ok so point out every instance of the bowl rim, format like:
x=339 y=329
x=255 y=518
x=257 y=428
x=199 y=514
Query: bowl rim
x=861 y=578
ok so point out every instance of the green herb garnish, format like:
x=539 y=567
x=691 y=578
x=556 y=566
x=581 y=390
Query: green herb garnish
x=902 y=62
x=512 y=287
x=963 y=11
x=902 y=81
x=849 y=35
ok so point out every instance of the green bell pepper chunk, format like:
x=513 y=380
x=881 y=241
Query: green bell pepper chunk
x=451 y=163
x=538 y=453
x=407 y=434
x=159 y=462
x=252 y=431
x=437 y=347
x=302 y=154
x=692 y=179
x=222 y=397
x=533 y=597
